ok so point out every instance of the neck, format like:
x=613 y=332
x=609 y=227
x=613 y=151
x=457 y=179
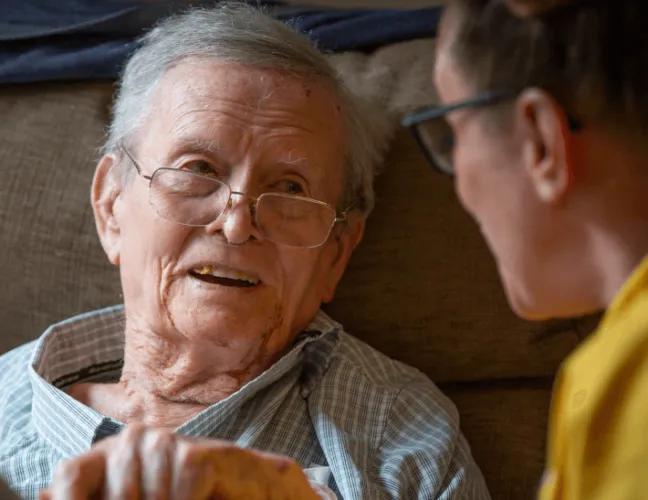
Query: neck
x=614 y=207
x=617 y=252
x=167 y=380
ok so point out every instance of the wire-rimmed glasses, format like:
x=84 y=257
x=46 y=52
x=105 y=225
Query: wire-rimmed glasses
x=193 y=199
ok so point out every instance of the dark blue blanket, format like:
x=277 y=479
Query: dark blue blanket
x=88 y=39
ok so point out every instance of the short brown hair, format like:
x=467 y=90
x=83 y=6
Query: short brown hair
x=592 y=56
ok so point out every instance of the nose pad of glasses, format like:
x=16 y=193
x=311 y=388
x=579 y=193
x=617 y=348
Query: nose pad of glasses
x=238 y=224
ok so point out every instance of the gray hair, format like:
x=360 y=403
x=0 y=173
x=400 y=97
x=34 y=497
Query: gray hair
x=233 y=32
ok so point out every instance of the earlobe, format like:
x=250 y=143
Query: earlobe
x=547 y=140
x=106 y=188
x=347 y=238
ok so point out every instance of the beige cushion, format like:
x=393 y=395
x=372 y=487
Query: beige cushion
x=51 y=263
x=506 y=426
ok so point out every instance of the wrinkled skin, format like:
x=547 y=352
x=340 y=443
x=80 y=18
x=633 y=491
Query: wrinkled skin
x=142 y=464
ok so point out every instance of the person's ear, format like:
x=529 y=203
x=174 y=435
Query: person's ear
x=106 y=188
x=546 y=145
x=346 y=237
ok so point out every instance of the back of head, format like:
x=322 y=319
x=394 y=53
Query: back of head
x=591 y=55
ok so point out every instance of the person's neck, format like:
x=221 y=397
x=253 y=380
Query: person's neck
x=617 y=252
x=167 y=381
x=615 y=211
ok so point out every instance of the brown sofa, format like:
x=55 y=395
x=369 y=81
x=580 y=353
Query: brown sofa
x=421 y=288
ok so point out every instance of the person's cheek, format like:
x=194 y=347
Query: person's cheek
x=465 y=182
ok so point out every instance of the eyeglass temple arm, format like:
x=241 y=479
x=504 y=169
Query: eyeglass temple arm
x=135 y=164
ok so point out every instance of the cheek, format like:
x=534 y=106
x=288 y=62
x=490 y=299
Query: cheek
x=296 y=267
x=302 y=277
x=472 y=176
x=490 y=186
x=494 y=189
x=150 y=245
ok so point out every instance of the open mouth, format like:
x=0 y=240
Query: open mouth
x=224 y=277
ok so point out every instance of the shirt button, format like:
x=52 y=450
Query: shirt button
x=578 y=399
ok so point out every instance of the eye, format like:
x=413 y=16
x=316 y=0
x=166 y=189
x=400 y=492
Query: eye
x=201 y=167
x=290 y=187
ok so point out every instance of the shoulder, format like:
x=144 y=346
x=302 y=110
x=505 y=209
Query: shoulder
x=375 y=379
x=380 y=370
x=396 y=423
x=14 y=367
x=15 y=391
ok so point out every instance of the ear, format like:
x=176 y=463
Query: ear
x=345 y=238
x=547 y=141
x=106 y=188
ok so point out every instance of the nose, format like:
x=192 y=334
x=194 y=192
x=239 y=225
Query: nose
x=237 y=223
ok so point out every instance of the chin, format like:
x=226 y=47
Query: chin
x=532 y=308
x=241 y=322
x=524 y=303
x=528 y=313
x=241 y=314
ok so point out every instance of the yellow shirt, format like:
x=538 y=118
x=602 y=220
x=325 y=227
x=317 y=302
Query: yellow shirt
x=598 y=438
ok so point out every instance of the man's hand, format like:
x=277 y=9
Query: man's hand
x=143 y=463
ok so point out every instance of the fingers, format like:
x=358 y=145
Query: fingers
x=79 y=479
x=286 y=477
x=157 y=449
x=193 y=475
x=156 y=464
x=220 y=470
x=124 y=466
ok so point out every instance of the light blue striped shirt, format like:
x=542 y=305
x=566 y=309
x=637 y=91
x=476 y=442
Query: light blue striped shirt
x=383 y=428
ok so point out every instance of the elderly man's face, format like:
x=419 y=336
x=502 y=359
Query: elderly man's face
x=262 y=131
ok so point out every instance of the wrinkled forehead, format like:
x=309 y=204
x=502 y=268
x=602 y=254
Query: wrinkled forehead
x=195 y=86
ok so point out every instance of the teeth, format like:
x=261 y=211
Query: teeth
x=225 y=273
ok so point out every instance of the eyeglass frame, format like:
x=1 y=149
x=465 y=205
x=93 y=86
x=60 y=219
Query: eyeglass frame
x=414 y=119
x=342 y=217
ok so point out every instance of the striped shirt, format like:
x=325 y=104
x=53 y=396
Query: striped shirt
x=383 y=428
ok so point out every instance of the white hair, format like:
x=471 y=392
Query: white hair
x=233 y=32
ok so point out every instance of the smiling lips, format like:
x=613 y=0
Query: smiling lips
x=224 y=277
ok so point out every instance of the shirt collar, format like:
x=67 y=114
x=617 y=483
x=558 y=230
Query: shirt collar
x=89 y=348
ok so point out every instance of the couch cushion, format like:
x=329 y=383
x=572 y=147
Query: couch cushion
x=51 y=263
x=505 y=425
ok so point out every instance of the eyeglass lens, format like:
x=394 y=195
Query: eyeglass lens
x=195 y=200
x=437 y=139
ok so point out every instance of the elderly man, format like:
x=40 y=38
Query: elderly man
x=234 y=187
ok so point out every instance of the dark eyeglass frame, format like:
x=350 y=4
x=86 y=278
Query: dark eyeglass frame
x=413 y=120
x=339 y=217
